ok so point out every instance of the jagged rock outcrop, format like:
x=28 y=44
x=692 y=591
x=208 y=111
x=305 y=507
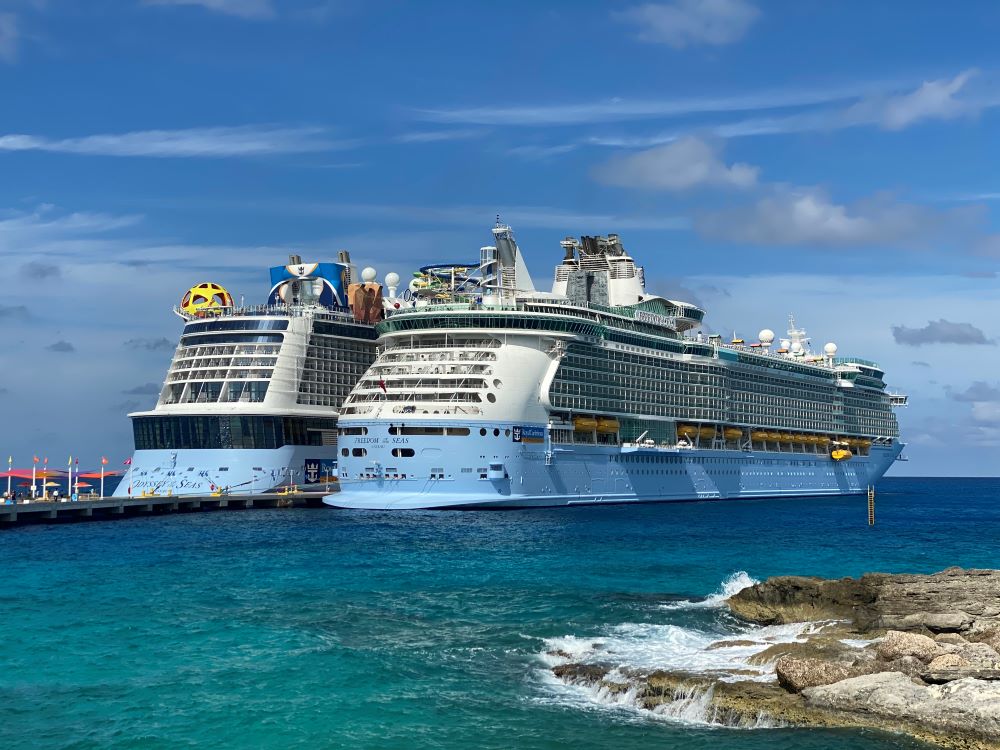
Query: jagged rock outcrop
x=931 y=669
x=952 y=601
x=965 y=707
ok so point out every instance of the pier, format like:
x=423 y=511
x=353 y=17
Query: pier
x=119 y=507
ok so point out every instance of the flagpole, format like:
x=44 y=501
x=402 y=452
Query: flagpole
x=34 y=465
x=69 y=479
x=10 y=460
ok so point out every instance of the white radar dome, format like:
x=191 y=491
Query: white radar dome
x=368 y=274
x=830 y=349
x=796 y=348
x=785 y=343
x=766 y=336
x=392 y=279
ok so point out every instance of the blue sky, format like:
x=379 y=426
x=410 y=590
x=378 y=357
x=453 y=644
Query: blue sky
x=832 y=160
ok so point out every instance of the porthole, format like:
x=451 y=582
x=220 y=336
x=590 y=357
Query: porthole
x=496 y=432
x=491 y=397
x=506 y=433
x=482 y=431
x=497 y=383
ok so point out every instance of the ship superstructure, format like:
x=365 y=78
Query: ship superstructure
x=488 y=393
x=251 y=398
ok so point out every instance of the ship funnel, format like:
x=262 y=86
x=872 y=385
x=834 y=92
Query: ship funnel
x=294 y=260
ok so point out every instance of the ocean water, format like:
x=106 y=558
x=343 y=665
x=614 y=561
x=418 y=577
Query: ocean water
x=327 y=629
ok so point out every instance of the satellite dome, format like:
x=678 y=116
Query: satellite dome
x=205 y=296
x=796 y=348
x=766 y=336
x=830 y=349
x=368 y=274
x=785 y=343
x=391 y=279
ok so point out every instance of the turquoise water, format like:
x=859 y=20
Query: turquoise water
x=322 y=628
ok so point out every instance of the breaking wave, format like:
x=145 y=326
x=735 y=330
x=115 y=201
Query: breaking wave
x=735 y=583
x=718 y=652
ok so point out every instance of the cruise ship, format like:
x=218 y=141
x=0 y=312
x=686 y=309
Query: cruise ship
x=489 y=394
x=251 y=398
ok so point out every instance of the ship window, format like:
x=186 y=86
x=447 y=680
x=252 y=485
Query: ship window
x=344 y=452
x=482 y=431
x=491 y=397
x=403 y=452
x=460 y=431
x=353 y=430
x=359 y=452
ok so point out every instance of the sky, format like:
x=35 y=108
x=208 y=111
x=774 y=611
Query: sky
x=835 y=161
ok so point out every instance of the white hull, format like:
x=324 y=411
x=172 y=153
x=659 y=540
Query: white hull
x=448 y=476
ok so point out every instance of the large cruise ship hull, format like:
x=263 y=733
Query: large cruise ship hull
x=244 y=471
x=493 y=472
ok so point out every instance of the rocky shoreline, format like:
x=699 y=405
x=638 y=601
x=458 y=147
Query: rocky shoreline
x=916 y=654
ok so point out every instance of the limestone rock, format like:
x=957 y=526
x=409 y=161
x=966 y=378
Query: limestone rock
x=796 y=674
x=940 y=676
x=979 y=655
x=950 y=639
x=911 y=666
x=897 y=644
x=967 y=706
x=948 y=661
x=953 y=600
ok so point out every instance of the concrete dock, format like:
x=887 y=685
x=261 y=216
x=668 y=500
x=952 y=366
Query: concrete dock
x=111 y=508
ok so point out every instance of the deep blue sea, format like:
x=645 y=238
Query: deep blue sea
x=322 y=628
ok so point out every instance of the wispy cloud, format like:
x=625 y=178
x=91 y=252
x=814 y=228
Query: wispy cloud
x=932 y=100
x=217 y=142
x=434 y=136
x=476 y=216
x=622 y=110
x=146 y=389
x=8 y=37
x=250 y=9
x=684 y=23
x=789 y=215
x=61 y=347
x=683 y=165
x=150 y=344
x=941 y=332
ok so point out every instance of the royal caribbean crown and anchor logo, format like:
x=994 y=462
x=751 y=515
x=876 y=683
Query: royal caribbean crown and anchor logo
x=527 y=434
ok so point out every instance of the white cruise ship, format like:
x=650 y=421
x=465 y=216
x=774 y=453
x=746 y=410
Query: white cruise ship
x=488 y=393
x=251 y=399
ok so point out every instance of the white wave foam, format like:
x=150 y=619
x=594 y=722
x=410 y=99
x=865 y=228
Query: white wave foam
x=733 y=584
x=646 y=646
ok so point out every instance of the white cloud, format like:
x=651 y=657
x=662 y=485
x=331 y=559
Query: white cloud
x=621 y=110
x=685 y=164
x=8 y=37
x=215 y=142
x=691 y=22
x=807 y=216
x=435 y=136
x=933 y=100
x=251 y=9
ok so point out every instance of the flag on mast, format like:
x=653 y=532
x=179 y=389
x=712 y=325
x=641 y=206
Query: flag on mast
x=128 y=461
x=104 y=460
